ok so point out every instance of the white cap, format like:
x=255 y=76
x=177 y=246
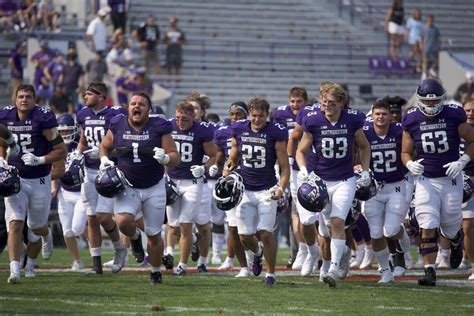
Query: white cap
x=102 y=12
x=469 y=75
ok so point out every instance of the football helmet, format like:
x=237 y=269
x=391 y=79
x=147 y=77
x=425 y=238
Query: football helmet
x=228 y=191
x=67 y=127
x=9 y=180
x=354 y=213
x=313 y=194
x=110 y=181
x=364 y=193
x=428 y=90
x=74 y=174
x=468 y=188
x=171 y=191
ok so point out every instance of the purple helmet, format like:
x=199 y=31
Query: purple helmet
x=110 y=182
x=171 y=191
x=67 y=127
x=74 y=174
x=313 y=194
x=468 y=188
x=9 y=181
x=428 y=90
x=228 y=191
x=365 y=193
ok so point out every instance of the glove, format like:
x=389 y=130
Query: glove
x=213 y=170
x=415 y=167
x=454 y=168
x=76 y=154
x=197 y=171
x=364 y=178
x=160 y=156
x=31 y=160
x=105 y=162
x=276 y=192
x=13 y=151
x=93 y=153
x=303 y=174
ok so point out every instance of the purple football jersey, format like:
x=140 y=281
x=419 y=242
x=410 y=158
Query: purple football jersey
x=469 y=169
x=284 y=116
x=223 y=139
x=257 y=152
x=385 y=160
x=95 y=126
x=28 y=133
x=333 y=143
x=436 y=138
x=310 y=154
x=190 y=147
x=135 y=149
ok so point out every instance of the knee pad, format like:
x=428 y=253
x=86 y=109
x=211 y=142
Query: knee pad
x=458 y=238
x=428 y=240
x=427 y=251
x=68 y=233
x=390 y=230
x=452 y=232
x=376 y=232
x=32 y=237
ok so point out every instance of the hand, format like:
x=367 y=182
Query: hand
x=76 y=154
x=228 y=168
x=3 y=163
x=365 y=178
x=454 y=168
x=213 y=170
x=93 y=153
x=197 y=171
x=160 y=156
x=105 y=162
x=303 y=174
x=31 y=160
x=415 y=167
x=276 y=192
x=13 y=151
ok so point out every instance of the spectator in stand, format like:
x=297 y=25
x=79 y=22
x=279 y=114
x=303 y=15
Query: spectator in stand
x=141 y=82
x=72 y=78
x=30 y=13
x=118 y=14
x=464 y=91
x=96 y=69
x=394 y=21
x=7 y=11
x=97 y=32
x=54 y=68
x=415 y=29
x=59 y=103
x=121 y=85
x=174 y=39
x=148 y=36
x=120 y=54
x=48 y=15
x=45 y=55
x=431 y=48
x=16 y=64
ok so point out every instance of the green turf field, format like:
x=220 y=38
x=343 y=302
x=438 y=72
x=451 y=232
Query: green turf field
x=54 y=290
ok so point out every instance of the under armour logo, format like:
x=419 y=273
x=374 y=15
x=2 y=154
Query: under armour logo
x=27 y=122
x=42 y=181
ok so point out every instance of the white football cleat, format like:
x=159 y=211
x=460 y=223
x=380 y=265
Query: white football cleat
x=299 y=260
x=443 y=262
x=30 y=270
x=359 y=256
x=465 y=264
x=399 y=271
x=386 y=277
x=369 y=256
x=408 y=260
x=14 y=278
x=120 y=257
x=216 y=259
x=244 y=273
x=308 y=265
x=77 y=265
x=227 y=264
x=471 y=277
x=47 y=245
x=331 y=278
x=344 y=264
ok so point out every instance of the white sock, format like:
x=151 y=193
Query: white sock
x=169 y=251
x=326 y=265
x=155 y=269
x=183 y=265
x=30 y=261
x=268 y=274
x=117 y=245
x=194 y=238
x=96 y=252
x=15 y=267
x=383 y=257
x=337 y=249
x=217 y=243
x=135 y=236
x=472 y=268
x=445 y=252
x=229 y=260
x=303 y=247
x=202 y=260
x=259 y=252
x=313 y=250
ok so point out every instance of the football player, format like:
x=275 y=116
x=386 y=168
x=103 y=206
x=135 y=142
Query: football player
x=193 y=141
x=332 y=132
x=386 y=211
x=223 y=139
x=71 y=210
x=256 y=146
x=94 y=120
x=433 y=130
x=286 y=115
x=34 y=128
x=144 y=146
x=468 y=208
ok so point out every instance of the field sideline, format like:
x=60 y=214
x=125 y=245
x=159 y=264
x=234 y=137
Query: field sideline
x=56 y=290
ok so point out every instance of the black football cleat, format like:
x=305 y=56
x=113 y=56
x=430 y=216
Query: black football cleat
x=137 y=249
x=455 y=257
x=202 y=268
x=429 y=279
x=195 y=251
x=168 y=261
x=156 y=278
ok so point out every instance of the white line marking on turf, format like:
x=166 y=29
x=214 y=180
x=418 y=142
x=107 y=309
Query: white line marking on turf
x=401 y=308
x=316 y=310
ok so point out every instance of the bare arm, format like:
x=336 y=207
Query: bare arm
x=466 y=131
x=82 y=145
x=210 y=150
x=233 y=160
x=303 y=146
x=364 y=149
x=59 y=151
x=407 y=148
x=106 y=145
x=282 y=157
x=169 y=146
x=294 y=139
x=220 y=157
x=57 y=171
